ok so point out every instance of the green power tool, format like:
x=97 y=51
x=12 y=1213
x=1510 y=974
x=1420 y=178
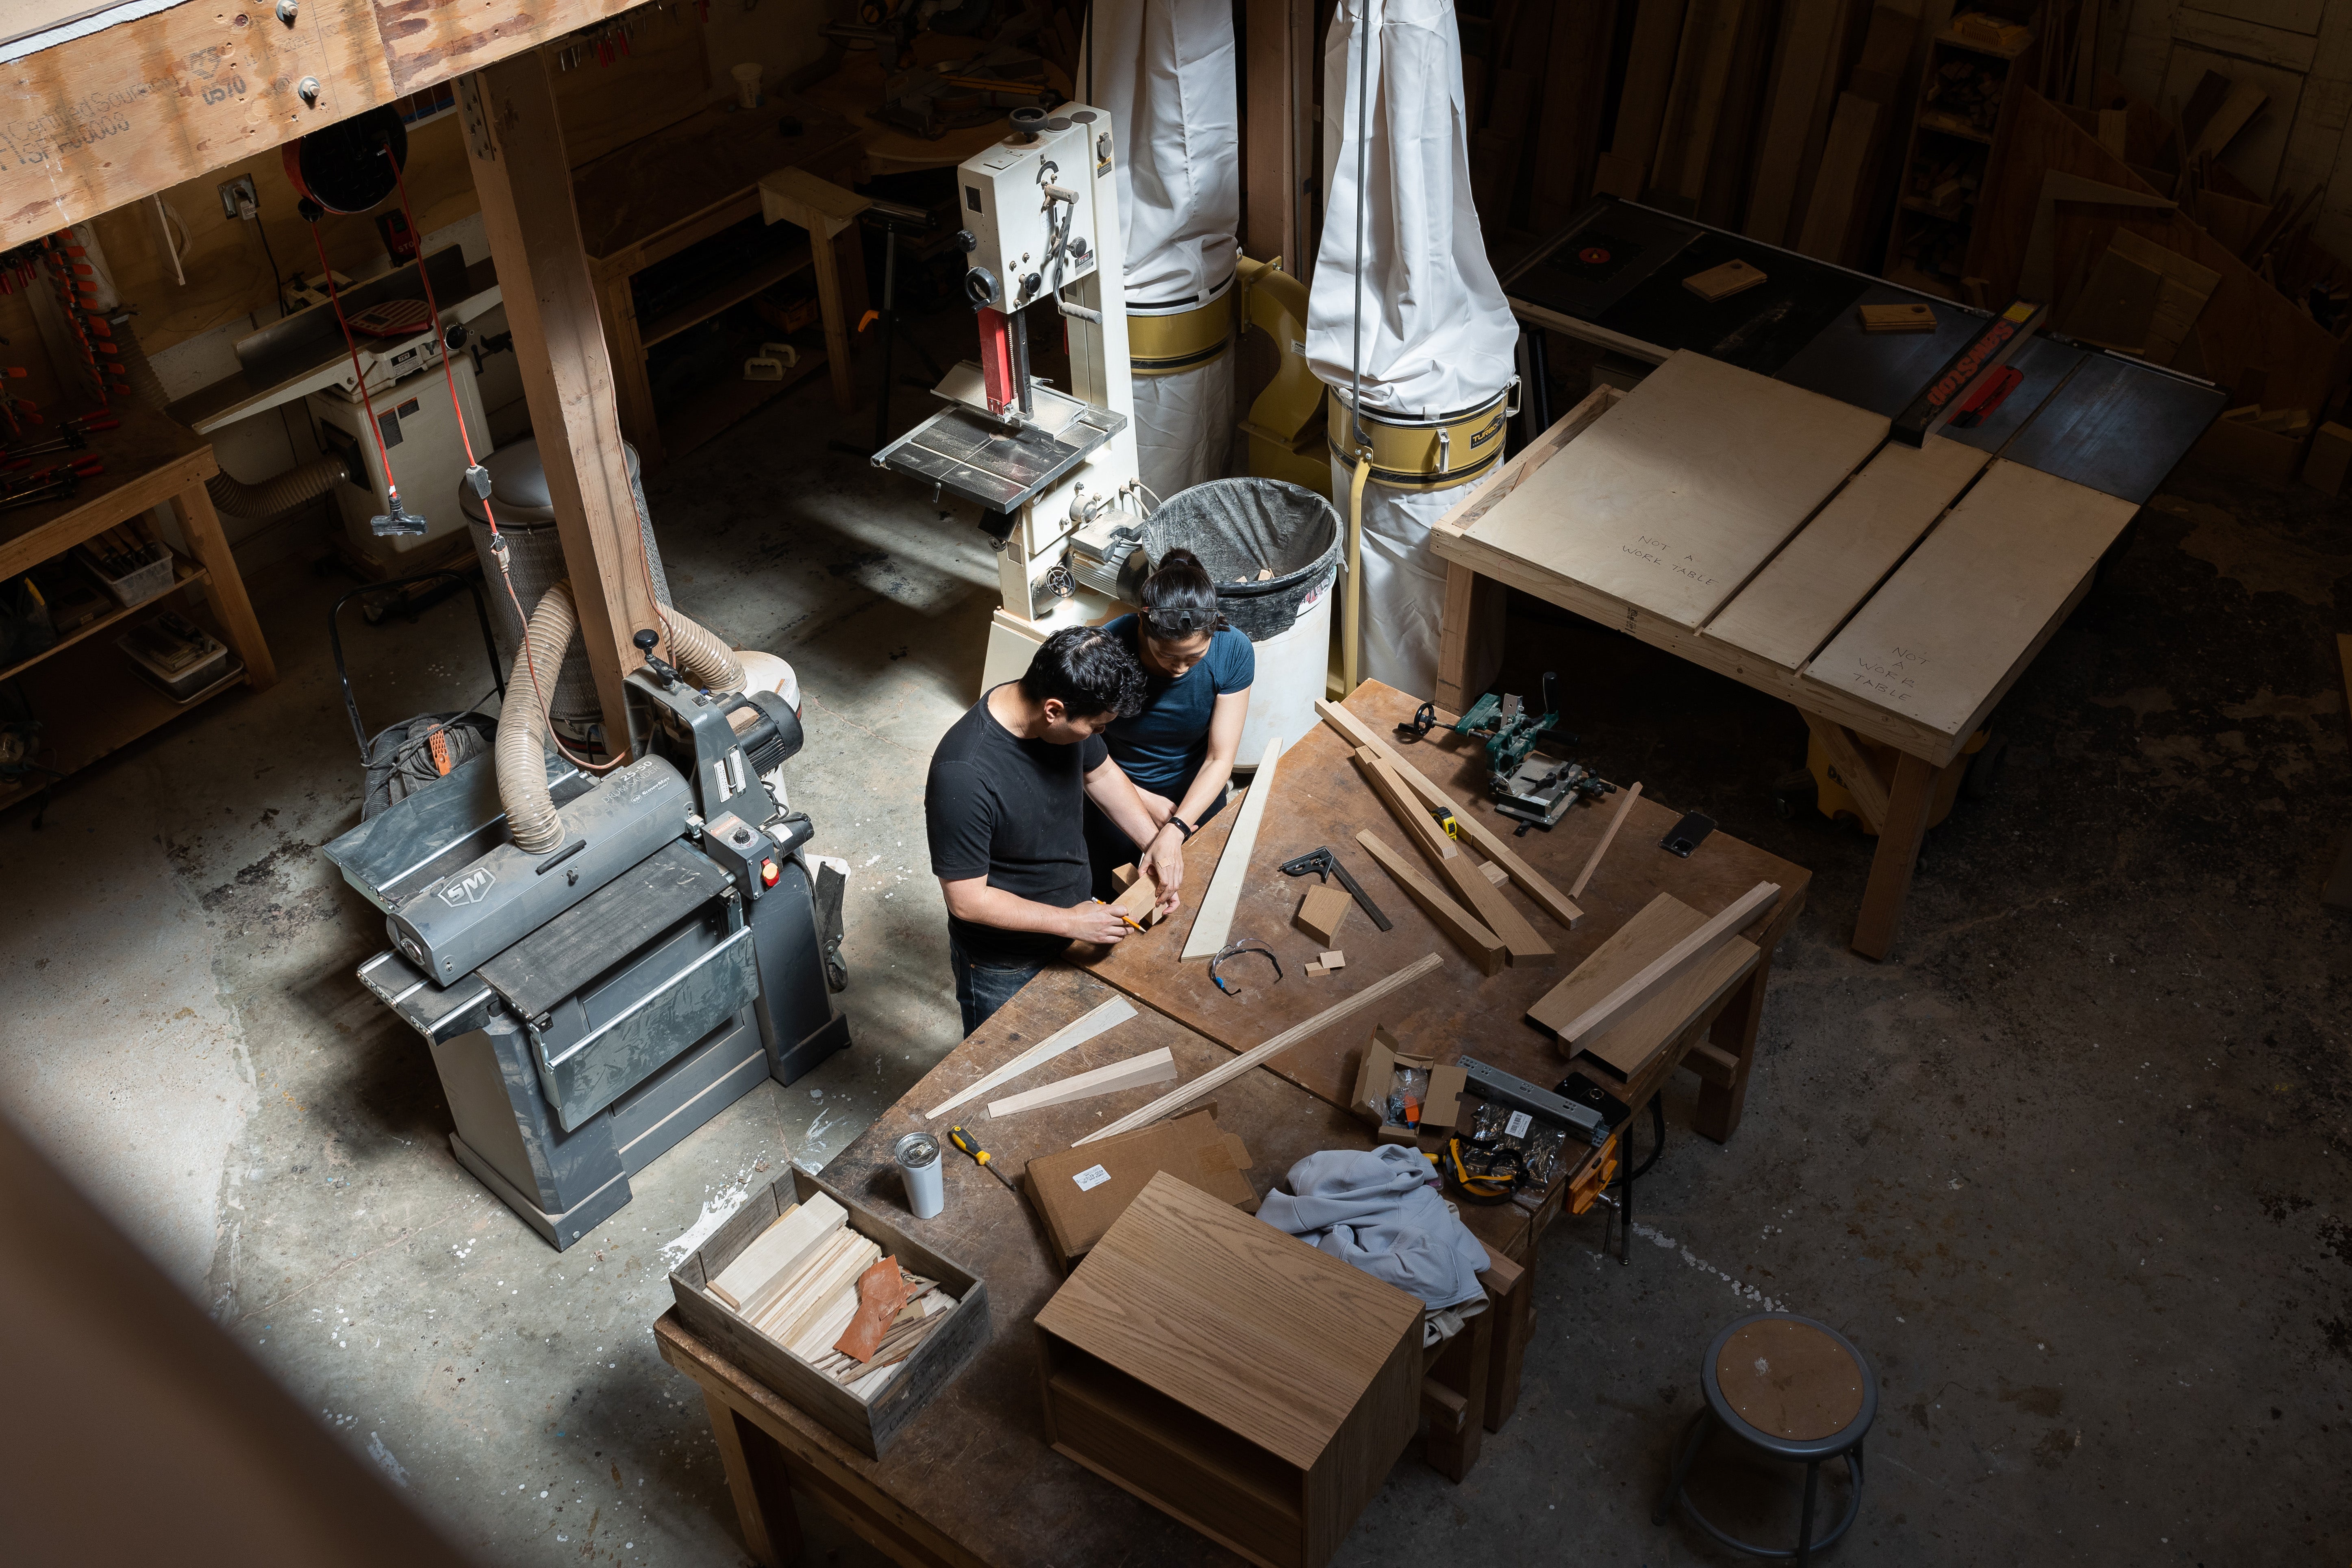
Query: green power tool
x=1525 y=784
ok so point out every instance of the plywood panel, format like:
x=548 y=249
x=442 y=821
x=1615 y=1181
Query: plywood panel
x=2252 y=155
x=1943 y=637
x=1797 y=601
x=1682 y=490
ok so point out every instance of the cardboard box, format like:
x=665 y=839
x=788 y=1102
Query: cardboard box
x=1080 y=1193
x=867 y=1425
x=2255 y=454
x=2331 y=455
x=1439 y=1107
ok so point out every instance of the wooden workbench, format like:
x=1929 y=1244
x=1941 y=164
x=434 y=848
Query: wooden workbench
x=1693 y=516
x=87 y=698
x=646 y=201
x=972 y=1480
x=1321 y=800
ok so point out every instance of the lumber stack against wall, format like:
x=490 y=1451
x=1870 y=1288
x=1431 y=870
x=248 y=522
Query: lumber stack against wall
x=2244 y=326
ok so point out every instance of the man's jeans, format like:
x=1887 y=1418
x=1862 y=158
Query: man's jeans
x=981 y=988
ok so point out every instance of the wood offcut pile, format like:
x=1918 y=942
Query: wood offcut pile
x=826 y=1294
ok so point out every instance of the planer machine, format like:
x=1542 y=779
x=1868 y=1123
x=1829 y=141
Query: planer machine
x=590 y=1007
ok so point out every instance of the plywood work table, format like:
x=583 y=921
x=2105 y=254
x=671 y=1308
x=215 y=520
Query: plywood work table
x=971 y=1479
x=1774 y=535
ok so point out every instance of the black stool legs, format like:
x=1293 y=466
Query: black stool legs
x=1702 y=1426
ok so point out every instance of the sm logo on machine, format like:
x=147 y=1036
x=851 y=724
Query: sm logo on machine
x=470 y=888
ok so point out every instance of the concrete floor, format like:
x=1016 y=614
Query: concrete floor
x=2071 y=1168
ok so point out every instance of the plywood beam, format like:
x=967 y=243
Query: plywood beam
x=116 y=115
x=1279 y=45
x=525 y=185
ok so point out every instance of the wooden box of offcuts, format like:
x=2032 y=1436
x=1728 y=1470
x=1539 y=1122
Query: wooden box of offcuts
x=867 y=1426
x=1231 y=1375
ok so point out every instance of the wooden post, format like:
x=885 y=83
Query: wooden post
x=757 y=1481
x=1889 y=887
x=524 y=181
x=1279 y=48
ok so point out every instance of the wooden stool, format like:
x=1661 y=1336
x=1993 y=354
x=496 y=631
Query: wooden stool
x=1792 y=1388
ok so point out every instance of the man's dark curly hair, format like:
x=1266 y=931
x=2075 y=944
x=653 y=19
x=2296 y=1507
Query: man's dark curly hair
x=1092 y=673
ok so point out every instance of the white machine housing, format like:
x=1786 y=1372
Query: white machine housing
x=1007 y=209
x=420 y=436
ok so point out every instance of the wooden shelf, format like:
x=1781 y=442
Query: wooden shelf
x=723 y=403
x=734 y=291
x=1927 y=209
x=1956 y=40
x=97 y=703
x=1945 y=125
x=183 y=572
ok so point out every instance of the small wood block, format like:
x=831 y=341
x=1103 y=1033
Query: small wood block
x=1320 y=913
x=1315 y=971
x=1494 y=873
x=1334 y=960
x=1916 y=318
x=1724 y=282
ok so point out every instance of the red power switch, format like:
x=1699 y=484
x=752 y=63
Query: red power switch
x=769 y=872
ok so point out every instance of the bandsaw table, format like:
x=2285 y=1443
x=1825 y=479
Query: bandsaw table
x=1743 y=508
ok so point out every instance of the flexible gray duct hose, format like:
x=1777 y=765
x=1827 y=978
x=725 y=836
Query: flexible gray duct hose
x=532 y=820
x=287 y=491
x=700 y=657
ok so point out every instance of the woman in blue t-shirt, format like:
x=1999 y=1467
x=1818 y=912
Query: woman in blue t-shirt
x=1178 y=749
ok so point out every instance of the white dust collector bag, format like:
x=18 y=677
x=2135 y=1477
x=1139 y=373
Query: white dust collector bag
x=1438 y=337
x=1167 y=76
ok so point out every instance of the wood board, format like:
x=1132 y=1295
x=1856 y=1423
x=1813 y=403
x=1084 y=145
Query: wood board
x=1481 y=946
x=1151 y=1066
x=1613 y=1007
x=1215 y=920
x=1616 y=820
x=777 y=1254
x=1807 y=53
x=1686 y=485
x=1625 y=1046
x=1804 y=594
x=1077 y=1032
x=1940 y=640
x=1649 y=78
x=1484 y=900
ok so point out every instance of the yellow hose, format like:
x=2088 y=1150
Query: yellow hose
x=1351 y=608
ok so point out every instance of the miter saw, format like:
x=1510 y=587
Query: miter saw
x=1048 y=469
x=1524 y=783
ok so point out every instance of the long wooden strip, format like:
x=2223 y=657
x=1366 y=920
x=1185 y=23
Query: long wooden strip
x=1215 y=920
x=1338 y=1012
x=1077 y=1032
x=1410 y=814
x=1152 y=1067
x=1668 y=965
x=1592 y=862
x=1560 y=906
x=1482 y=946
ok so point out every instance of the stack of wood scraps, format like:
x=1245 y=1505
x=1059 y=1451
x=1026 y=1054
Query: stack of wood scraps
x=1638 y=991
x=826 y=1294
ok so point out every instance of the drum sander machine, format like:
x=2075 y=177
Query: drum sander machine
x=590 y=1003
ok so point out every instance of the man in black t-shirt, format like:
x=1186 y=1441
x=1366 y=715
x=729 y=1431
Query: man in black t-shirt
x=1004 y=807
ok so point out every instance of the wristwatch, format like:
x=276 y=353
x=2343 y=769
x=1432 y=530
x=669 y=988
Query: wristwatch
x=1179 y=824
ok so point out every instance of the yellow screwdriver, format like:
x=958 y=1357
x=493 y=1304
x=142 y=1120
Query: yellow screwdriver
x=965 y=1141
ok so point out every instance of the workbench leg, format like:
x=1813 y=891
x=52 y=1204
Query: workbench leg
x=1734 y=1034
x=1898 y=855
x=757 y=1481
x=1462 y=1367
x=1515 y=1315
x=826 y=256
x=632 y=389
x=1470 y=636
x=200 y=526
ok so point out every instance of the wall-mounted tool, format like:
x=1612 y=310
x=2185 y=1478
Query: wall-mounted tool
x=1525 y=784
x=1323 y=865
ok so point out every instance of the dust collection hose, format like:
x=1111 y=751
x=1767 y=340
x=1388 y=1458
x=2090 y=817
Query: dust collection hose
x=287 y=491
x=531 y=818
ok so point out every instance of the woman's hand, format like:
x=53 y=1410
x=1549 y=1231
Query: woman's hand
x=1160 y=807
x=1165 y=863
